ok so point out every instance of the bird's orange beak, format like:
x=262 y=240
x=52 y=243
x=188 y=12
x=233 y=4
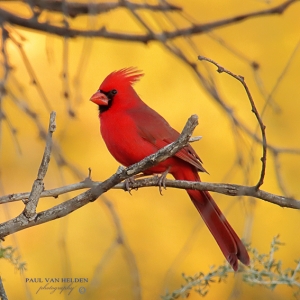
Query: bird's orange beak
x=99 y=98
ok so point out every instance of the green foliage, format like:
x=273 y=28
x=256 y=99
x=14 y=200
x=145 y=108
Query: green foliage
x=200 y=282
x=264 y=270
x=9 y=253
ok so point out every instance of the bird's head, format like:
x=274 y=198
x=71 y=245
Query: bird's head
x=117 y=89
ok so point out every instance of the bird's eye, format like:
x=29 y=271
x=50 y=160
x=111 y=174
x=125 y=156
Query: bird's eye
x=114 y=92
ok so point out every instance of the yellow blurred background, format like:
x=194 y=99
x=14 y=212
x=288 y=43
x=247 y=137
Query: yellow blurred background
x=165 y=234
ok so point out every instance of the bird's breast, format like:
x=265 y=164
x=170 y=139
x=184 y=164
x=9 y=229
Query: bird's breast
x=121 y=136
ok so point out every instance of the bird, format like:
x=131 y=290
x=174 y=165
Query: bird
x=132 y=131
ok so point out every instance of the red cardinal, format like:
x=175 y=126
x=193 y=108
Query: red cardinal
x=132 y=130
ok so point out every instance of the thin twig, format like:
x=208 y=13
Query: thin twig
x=75 y=9
x=3 y=84
x=2 y=291
x=38 y=185
x=254 y=110
x=32 y=23
x=121 y=240
x=57 y=152
x=65 y=78
x=30 y=71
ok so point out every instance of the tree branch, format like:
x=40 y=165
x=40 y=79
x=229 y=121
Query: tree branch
x=2 y=291
x=75 y=9
x=34 y=23
x=226 y=189
x=221 y=188
x=38 y=185
x=96 y=189
x=21 y=222
x=254 y=110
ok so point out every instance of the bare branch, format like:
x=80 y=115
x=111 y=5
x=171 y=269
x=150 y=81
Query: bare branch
x=38 y=185
x=225 y=189
x=75 y=9
x=2 y=291
x=48 y=193
x=254 y=110
x=34 y=23
x=21 y=222
x=57 y=152
x=121 y=240
x=30 y=70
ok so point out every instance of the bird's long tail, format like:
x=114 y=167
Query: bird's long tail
x=228 y=241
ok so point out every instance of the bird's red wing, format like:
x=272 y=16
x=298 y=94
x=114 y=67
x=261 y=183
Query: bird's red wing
x=159 y=133
x=189 y=155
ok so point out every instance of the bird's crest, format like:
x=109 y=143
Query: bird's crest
x=123 y=77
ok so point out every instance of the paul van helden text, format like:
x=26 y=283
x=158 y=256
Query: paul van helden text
x=56 y=280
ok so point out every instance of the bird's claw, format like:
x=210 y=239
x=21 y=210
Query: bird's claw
x=162 y=181
x=128 y=182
